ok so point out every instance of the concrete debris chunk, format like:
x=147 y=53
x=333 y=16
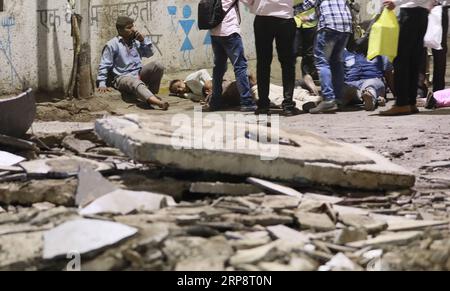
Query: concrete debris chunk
x=125 y=202
x=219 y=188
x=372 y=225
x=8 y=159
x=306 y=157
x=400 y=238
x=283 y=232
x=273 y=188
x=83 y=236
x=340 y=262
x=62 y=167
x=77 y=145
x=91 y=186
x=252 y=255
x=315 y=221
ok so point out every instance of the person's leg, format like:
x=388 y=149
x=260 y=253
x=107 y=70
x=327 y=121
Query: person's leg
x=402 y=64
x=264 y=36
x=337 y=64
x=308 y=63
x=325 y=44
x=152 y=75
x=420 y=28
x=235 y=51
x=220 y=68
x=440 y=56
x=370 y=90
x=284 y=37
x=132 y=85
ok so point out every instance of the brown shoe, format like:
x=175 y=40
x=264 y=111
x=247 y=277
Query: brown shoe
x=414 y=109
x=397 y=110
x=369 y=101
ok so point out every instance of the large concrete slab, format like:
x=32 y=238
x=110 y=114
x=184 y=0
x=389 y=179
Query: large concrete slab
x=300 y=157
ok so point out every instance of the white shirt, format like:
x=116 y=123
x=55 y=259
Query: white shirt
x=276 y=8
x=196 y=81
x=231 y=23
x=428 y=4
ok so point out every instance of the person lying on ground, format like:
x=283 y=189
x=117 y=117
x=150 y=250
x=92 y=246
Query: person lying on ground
x=198 y=88
x=365 y=79
x=121 y=65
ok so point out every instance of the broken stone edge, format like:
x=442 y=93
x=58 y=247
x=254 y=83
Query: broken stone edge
x=383 y=175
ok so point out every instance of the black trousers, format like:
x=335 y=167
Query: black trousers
x=440 y=56
x=304 y=47
x=413 y=26
x=268 y=29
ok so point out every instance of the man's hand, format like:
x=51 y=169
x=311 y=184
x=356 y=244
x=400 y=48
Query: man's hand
x=103 y=90
x=139 y=36
x=304 y=19
x=389 y=4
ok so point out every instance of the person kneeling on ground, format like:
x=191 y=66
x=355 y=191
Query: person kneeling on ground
x=198 y=88
x=366 y=78
x=121 y=65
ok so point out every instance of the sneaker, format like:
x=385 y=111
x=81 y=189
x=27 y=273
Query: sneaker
x=249 y=108
x=369 y=101
x=325 y=107
x=308 y=106
x=262 y=111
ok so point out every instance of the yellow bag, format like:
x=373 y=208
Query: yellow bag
x=384 y=35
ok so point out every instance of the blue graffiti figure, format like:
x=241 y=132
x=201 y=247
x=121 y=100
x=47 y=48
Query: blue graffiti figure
x=172 y=10
x=187 y=25
x=8 y=23
x=208 y=45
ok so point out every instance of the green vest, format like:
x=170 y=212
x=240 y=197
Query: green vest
x=300 y=23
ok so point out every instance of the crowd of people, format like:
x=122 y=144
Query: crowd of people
x=324 y=33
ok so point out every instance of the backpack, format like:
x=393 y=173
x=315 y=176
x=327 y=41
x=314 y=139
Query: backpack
x=211 y=13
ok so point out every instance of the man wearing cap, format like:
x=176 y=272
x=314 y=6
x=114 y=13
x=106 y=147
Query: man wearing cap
x=121 y=65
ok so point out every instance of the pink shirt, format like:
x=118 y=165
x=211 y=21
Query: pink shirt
x=231 y=23
x=276 y=8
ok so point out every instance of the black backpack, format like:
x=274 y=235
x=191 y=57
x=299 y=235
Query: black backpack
x=211 y=13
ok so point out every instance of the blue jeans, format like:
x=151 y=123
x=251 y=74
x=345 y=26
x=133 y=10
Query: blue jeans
x=329 y=50
x=224 y=48
x=375 y=86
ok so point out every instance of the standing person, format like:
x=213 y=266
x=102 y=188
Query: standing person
x=413 y=26
x=274 y=21
x=334 y=30
x=304 y=46
x=121 y=65
x=440 y=56
x=227 y=44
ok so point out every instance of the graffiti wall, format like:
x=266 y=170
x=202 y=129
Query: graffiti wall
x=36 y=46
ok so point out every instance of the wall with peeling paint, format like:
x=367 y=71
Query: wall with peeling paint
x=36 y=45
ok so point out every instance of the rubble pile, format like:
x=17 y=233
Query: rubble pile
x=64 y=192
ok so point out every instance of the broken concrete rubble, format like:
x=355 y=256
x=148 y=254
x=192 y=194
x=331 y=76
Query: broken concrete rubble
x=62 y=167
x=219 y=188
x=83 y=236
x=17 y=114
x=400 y=238
x=317 y=160
x=91 y=186
x=8 y=159
x=124 y=202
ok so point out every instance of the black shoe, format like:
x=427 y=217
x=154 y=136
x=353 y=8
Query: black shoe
x=431 y=102
x=249 y=108
x=325 y=107
x=208 y=108
x=291 y=112
x=262 y=111
x=274 y=106
x=308 y=106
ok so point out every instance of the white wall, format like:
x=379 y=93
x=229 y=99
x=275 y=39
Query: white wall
x=35 y=36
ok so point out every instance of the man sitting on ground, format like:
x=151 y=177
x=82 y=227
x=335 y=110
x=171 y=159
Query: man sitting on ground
x=121 y=65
